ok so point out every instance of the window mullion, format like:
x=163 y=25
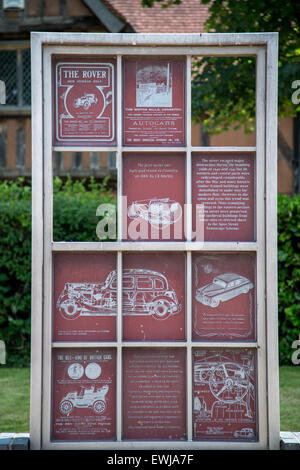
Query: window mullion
x=19 y=77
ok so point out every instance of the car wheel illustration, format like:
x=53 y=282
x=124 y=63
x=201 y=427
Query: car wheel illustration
x=66 y=407
x=214 y=303
x=227 y=384
x=245 y=290
x=161 y=309
x=99 y=406
x=69 y=310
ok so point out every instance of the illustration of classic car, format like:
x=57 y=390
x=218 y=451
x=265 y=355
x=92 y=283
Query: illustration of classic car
x=85 y=101
x=244 y=433
x=224 y=287
x=86 y=398
x=230 y=384
x=145 y=292
x=159 y=213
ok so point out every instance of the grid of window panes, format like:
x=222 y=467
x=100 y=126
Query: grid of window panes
x=192 y=371
x=15 y=72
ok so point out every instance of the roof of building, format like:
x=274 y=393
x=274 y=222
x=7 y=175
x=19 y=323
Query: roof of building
x=189 y=17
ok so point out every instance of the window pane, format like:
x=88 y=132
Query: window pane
x=85 y=303
x=224 y=297
x=144 y=283
x=26 y=77
x=84 y=394
x=20 y=145
x=154 y=312
x=224 y=395
x=154 y=394
x=8 y=73
x=3 y=136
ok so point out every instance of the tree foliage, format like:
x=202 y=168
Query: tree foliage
x=223 y=89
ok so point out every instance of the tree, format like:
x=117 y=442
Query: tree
x=223 y=89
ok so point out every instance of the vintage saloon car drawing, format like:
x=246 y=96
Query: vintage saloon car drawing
x=86 y=398
x=224 y=287
x=145 y=292
x=159 y=213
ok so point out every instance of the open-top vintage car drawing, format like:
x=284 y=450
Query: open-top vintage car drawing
x=144 y=292
x=224 y=287
x=85 y=101
x=86 y=398
x=159 y=213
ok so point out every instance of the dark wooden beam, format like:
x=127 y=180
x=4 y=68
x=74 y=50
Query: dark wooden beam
x=58 y=23
x=111 y=21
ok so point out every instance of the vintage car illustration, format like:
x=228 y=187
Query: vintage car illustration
x=145 y=292
x=159 y=213
x=86 y=398
x=85 y=101
x=224 y=287
x=245 y=433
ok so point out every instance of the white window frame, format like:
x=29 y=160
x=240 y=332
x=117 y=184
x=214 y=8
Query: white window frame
x=264 y=47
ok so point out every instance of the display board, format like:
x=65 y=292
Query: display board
x=154 y=101
x=154 y=188
x=225 y=395
x=224 y=184
x=166 y=337
x=84 y=394
x=84 y=101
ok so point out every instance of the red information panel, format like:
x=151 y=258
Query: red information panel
x=153 y=296
x=84 y=394
x=85 y=297
x=154 y=394
x=154 y=101
x=84 y=101
x=224 y=297
x=224 y=395
x=224 y=185
x=153 y=196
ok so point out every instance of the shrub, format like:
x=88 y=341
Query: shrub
x=74 y=208
x=15 y=268
x=75 y=204
x=288 y=274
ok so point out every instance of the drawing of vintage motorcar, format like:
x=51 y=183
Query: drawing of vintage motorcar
x=159 y=213
x=245 y=433
x=85 y=101
x=86 y=398
x=144 y=292
x=224 y=287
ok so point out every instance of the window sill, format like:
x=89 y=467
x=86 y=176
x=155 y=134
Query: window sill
x=18 y=111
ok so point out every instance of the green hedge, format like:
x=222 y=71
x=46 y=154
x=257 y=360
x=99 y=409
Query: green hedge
x=288 y=274
x=75 y=204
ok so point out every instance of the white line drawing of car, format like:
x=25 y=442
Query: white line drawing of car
x=224 y=287
x=85 y=101
x=144 y=292
x=159 y=213
x=245 y=433
x=86 y=398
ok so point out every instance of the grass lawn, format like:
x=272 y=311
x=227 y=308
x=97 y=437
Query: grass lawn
x=289 y=381
x=15 y=391
x=14 y=399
